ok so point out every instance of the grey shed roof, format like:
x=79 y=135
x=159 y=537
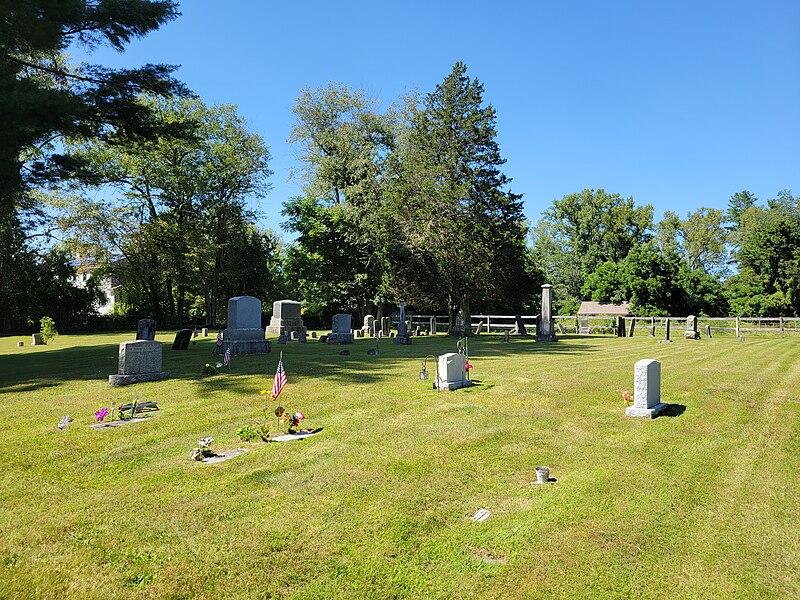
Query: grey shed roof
x=605 y=308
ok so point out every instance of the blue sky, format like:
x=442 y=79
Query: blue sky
x=677 y=104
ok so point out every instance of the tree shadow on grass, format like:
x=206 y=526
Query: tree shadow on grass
x=29 y=371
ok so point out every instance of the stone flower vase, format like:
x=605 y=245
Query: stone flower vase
x=542 y=474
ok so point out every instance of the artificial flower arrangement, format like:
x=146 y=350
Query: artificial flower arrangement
x=627 y=397
x=123 y=412
x=203 y=450
x=211 y=369
x=291 y=421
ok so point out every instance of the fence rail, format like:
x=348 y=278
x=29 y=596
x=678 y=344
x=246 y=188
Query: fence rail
x=607 y=325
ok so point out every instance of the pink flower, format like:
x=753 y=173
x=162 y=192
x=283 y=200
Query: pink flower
x=467 y=365
x=101 y=414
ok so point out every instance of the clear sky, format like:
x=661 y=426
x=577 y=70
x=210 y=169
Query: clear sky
x=677 y=104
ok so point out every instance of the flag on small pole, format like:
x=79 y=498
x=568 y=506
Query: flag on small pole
x=194 y=335
x=219 y=339
x=227 y=358
x=280 y=379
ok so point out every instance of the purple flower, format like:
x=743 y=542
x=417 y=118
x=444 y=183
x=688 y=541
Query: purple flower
x=101 y=414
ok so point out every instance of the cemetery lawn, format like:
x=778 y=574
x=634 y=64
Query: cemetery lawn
x=702 y=502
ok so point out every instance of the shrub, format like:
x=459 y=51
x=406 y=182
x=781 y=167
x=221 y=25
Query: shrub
x=47 y=328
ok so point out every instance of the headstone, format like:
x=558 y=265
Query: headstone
x=37 y=340
x=544 y=327
x=146 y=329
x=620 y=326
x=433 y=325
x=344 y=353
x=369 y=325
x=204 y=331
x=478 y=328
x=372 y=352
x=282 y=339
x=561 y=329
x=391 y=336
x=301 y=337
x=314 y=335
x=652 y=331
x=585 y=325
x=708 y=331
x=462 y=326
x=632 y=327
x=323 y=339
x=293 y=336
x=666 y=329
x=402 y=329
x=520 y=326
x=646 y=389
x=182 y=339
x=244 y=334
x=691 y=332
x=20 y=344
x=139 y=361
x=506 y=336
x=386 y=325
x=341 y=331
x=452 y=372
x=741 y=338
x=418 y=330
x=285 y=318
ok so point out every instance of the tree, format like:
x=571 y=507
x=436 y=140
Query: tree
x=184 y=203
x=768 y=282
x=580 y=232
x=701 y=240
x=339 y=257
x=459 y=236
x=43 y=97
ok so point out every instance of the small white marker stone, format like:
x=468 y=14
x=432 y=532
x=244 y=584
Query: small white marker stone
x=480 y=516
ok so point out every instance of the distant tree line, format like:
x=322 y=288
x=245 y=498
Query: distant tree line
x=129 y=171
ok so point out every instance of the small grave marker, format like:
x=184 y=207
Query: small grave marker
x=182 y=339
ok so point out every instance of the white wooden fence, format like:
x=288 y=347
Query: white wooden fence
x=607 y=325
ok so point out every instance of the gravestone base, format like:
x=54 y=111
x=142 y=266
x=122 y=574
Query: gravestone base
x=635 y=411
x=692 y=335
x=452 y=385
x=241 y=347
x=118 y=380
x=339 y=338
x=546 y=337
x=402 y=338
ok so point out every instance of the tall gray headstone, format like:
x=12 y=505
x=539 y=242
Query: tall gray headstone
x=244 y=334
x=285 y=318
x=369 y=325
x=545 y=331
x=646 y=389
x=666 y=329
x=342 y=332
x=433 y=326
x=139 y=361
x=463 y=324
x=691 y=332
x=402 y=336
x=620 y=326
x=386 y=326
x=146 y=329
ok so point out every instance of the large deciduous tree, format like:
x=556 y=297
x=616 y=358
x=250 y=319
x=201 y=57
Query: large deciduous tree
x=181 y=205
x=459 y=236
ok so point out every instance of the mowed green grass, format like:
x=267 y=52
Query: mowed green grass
x=703 y=502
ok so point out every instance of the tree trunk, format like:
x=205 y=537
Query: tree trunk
x=181 y=304
x=215 y=288
x=171 y=300
x=453 y=307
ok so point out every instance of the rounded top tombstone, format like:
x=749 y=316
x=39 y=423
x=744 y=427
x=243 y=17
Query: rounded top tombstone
x=244 y=312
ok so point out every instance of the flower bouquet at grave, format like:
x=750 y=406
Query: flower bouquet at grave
x=203 y=450
x=627 y=398
x=211 y=368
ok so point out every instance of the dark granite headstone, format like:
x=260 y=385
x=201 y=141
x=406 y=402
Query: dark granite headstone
x=182 y=339
x=146 y=329
x=520 y=326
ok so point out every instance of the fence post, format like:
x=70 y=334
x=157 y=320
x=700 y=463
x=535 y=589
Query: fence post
x=737 y=328
x=780 y=325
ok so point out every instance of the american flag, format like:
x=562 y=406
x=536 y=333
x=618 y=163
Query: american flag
x=280 y=379
x=195 y=332
x=227 y=358
x=219 y=339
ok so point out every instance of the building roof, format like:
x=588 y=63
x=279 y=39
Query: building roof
x=622 y=309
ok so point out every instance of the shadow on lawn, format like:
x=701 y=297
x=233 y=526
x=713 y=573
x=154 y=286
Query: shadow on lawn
x=672 y=410
x=29 y=371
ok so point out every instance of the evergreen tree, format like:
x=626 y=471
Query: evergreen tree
x=459 y=237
